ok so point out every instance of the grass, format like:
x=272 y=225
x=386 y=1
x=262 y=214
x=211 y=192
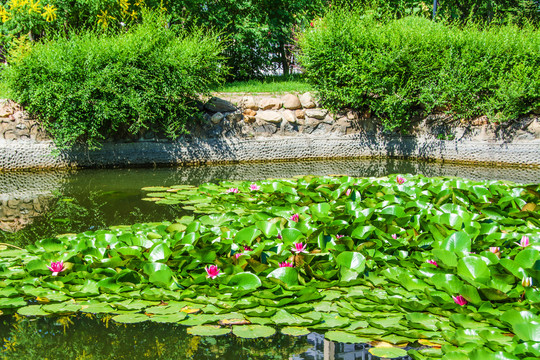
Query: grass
x=269 y=84
x=4 y=91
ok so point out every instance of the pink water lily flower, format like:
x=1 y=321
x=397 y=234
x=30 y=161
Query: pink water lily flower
x=339 y=236
x=279 y=236
x=460 y=300
x=432 y=262
x=286 y=264
x=254 y=187
x=400 y=180
x=232 y=191
x=56 y=267
x=524 y=242
x=299 y=248
x=394 y=236
x=295 y=217
x=348 y=192
x=496 y=250
x=212 y=271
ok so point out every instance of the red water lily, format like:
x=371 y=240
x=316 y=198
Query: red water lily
x=232 y=191
x=286 y=264
x=432 y=262
x=460 y=300
x=295 y=217
x=56 y=267
x=299 y=248
x=212 y=271
x=400 y=180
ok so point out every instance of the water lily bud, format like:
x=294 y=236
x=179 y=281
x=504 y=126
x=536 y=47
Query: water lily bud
x=460 y=300
x=527 y=282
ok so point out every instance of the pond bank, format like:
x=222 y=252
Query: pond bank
x=239 y=128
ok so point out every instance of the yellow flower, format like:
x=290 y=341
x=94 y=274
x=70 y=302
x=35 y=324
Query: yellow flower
x=49 y=13
x=124 y=5
x=34 y=6
x=16 y=4
x=133 y=15
x=104 y=17
x=139 y=3
x=4 y=15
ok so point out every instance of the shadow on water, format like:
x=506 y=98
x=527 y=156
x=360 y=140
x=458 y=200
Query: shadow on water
x=88 y=337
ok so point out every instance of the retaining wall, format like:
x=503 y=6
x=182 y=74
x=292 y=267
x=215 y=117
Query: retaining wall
x=239 y=128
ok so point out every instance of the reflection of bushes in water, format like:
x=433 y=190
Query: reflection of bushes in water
x=72 y=215
x=94 y=337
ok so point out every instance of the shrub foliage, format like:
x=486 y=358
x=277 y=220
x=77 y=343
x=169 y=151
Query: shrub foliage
x=396 y=68
x=88 y=87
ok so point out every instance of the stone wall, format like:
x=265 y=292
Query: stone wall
x=243 y=128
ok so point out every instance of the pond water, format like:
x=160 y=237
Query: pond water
x=44 y=204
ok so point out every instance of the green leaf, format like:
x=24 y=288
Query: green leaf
x=253 y=331
x=245 y=281
x=457 y=242
x=208 y=330
x=286 y=275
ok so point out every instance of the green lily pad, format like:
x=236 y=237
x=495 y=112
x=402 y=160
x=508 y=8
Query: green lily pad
x=208 y=330
x=387 y=352
x=253 y=331
x=345 y=337
x=295 y=331
x=130 y=318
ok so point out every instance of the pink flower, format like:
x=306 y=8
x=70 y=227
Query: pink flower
x=524 y=242
x=348 y=192
x=286 y=264
x=279 y=236
x=295 y=218
x=56 y=267
x=460 y=300
x=394 y=236
x=494 y=249
x=212 y=271
x=432 y=262
x=339 y=236
x=254 y=187
x=232 y=191
x=238 y=254
x=400 y=180
x=311 y=24
x=299 y=248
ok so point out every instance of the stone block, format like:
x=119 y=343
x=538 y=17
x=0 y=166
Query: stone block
x=307 y=101
x=269 y=116
x=300 y=114
x=249 y=112
x=288 y=115
x=234 y=117
x=318 y=114
x=270 y=104
x=216 y=118
x=291 y=101
x=248 y=102
x=219 y=105
x=266 y=128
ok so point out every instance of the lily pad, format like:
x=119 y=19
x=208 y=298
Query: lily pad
x=253 y=331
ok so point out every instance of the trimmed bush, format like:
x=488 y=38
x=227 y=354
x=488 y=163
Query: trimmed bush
x=89 y=87
x=399 y=68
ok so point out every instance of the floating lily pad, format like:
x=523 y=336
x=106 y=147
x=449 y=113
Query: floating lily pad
x=208 y=330
x=130 y=318
x=253 y=331
x=295 y=331
x=32 y=310
x=345 y=337
x=388 y=352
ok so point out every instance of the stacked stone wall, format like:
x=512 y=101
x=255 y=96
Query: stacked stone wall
x=243 y=128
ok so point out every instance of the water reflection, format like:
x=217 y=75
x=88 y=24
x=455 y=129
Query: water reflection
x=43 y=204
x=97 y=338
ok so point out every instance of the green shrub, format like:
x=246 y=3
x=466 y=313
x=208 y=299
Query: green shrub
x=88 y=87
x=397 y=68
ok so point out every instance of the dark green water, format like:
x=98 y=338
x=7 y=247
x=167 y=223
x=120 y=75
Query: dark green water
x=44 y=204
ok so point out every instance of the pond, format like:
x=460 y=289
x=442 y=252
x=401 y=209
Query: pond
x=44 y=204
